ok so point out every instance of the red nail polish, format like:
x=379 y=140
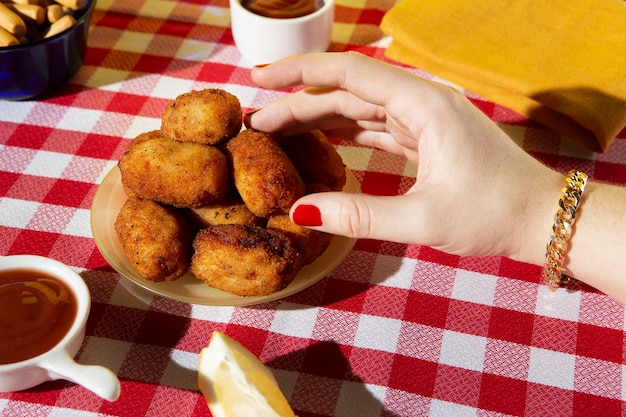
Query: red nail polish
x=261 y=65
x=307 y=215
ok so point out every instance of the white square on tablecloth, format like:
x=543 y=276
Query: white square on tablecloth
x=551 y=368
x=105 y=352
x=294 y=320
x=128 y=294
x=16 y=213
x=81 y=120
x=17 y=111
x=194 y=50
x=162 y=11
x=474 y=287
x=66 y=412
x=378 y=333
x=170 y=88
x=48 y=164
x=286 y=381
x=463 y=350
x=560 y=304
x=133 y=41
x=358 y=399
x=439 y=408
x=140 y=125
x=355 y=157
x=182 y=370
x=79 y=224
x=107 y=79
x=392 y=271
x=216 y=314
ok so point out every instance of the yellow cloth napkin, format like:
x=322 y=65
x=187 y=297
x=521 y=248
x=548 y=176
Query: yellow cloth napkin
x=559 y=62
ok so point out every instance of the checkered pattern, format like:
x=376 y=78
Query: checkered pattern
x=395 y=330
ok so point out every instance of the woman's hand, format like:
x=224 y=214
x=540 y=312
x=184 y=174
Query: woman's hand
x=476 y=192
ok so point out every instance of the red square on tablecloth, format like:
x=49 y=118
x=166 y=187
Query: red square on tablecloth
x=135 y=399
x=432 y=255
x=33 y=242
x=152 y=64
x=427 y=309
x=99 y=146
x=609 y=172
x=126 y=103
x=512 y=326
x=176 y=28
x=501 y=394
x=329 y=359
x=379 y=183
x=252 y=338
x=216 y=73
x=586 y=405
x=519 y=270
x=30 y=136
x=162 y=329
x=413 y=375
x=68 y=193
x=344 y=295
x=600 y=342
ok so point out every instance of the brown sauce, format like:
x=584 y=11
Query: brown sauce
x=280 y=9
x=36 y=312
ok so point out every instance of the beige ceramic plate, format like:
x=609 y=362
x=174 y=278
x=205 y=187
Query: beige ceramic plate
x=107 y=202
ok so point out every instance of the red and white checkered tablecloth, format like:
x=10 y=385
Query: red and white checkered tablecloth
x=395 y=330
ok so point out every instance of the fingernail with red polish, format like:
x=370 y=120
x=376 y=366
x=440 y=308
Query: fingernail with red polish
x=307 y=215
x=261 y=65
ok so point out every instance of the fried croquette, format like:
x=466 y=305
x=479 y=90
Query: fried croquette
x=311 y=243
x=156 y=239
x=263 y=174
x=145 y=136
x=176 y=173
x=142 y=137
x=244 y=260
x=210 y=116
x=315 y=158
x=231 y=210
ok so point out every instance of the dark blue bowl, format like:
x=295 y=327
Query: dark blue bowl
x=35 y=68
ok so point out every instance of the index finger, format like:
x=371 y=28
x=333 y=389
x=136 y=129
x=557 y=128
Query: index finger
x=371 y=80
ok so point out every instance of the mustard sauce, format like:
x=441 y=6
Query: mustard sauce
x=36 y=312
x=280 y=9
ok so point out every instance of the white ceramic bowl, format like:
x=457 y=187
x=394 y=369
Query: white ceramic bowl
x=262 y=40
x=58 y=362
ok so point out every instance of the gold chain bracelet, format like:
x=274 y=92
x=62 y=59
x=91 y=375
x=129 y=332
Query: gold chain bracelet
x=575 y=182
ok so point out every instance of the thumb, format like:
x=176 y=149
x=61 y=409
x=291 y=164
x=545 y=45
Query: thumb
x=363 y=216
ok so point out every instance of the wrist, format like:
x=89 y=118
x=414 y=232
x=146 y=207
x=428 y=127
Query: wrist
x=535 y=216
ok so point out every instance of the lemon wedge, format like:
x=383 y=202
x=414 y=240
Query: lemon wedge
x=235 y=383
